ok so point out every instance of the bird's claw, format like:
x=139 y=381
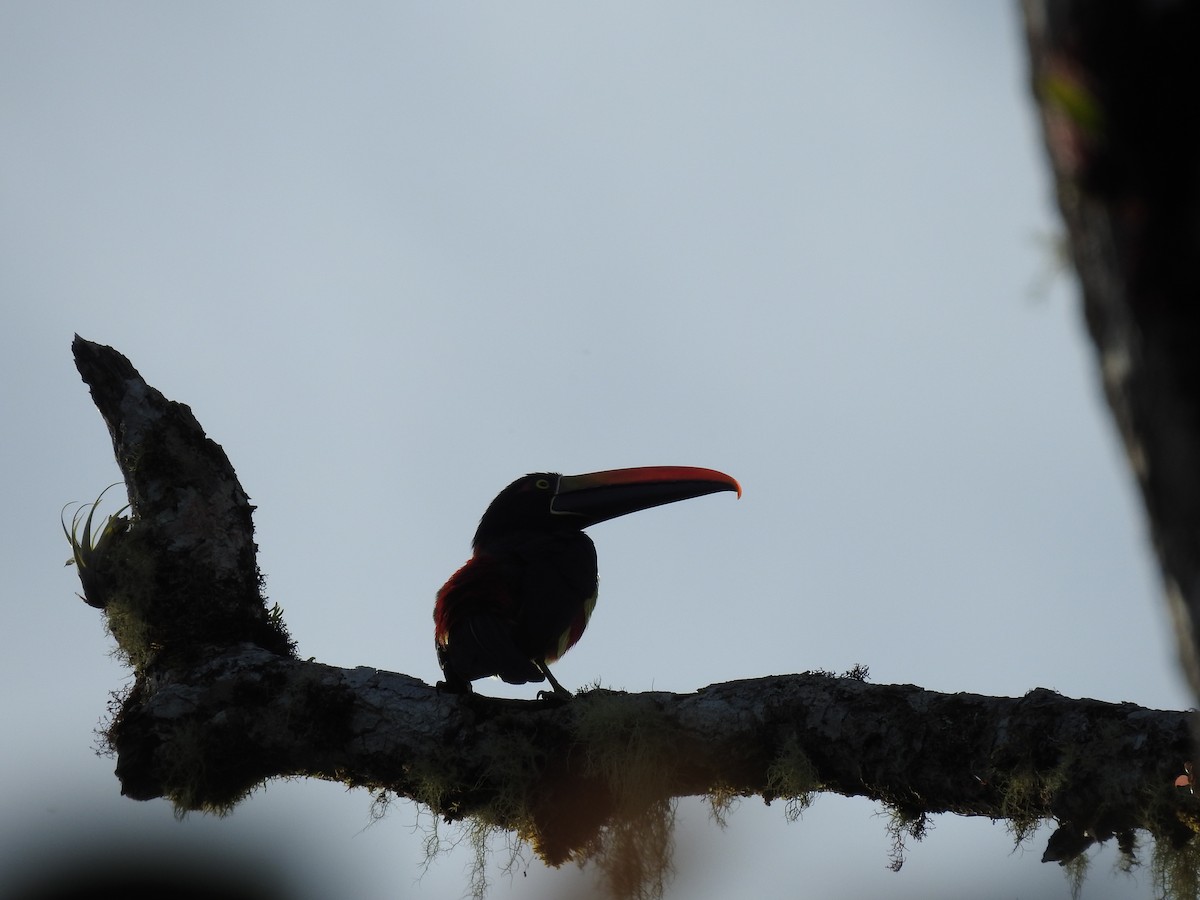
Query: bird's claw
x=453 y=686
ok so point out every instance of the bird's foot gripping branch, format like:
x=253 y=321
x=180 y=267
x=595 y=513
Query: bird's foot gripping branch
x=220 y=703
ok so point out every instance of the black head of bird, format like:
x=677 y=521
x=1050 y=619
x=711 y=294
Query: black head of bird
x=525 y=596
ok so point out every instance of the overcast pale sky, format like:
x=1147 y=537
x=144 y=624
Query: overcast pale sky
x=394 y=255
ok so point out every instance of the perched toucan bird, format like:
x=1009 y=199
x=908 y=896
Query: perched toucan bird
x=524 y=598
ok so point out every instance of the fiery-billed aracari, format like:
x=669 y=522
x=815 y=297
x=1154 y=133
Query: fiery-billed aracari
x=524 y=598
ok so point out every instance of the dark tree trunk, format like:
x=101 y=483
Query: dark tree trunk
x=1118 y=88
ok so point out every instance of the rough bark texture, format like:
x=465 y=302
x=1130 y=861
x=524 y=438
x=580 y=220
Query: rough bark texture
x=184 y=576
x=1118 y=87
x=220 y=702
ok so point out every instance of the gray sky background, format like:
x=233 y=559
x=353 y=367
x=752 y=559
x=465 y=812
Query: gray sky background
x=395 y=255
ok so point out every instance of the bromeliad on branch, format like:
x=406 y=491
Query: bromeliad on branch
x=524 y=598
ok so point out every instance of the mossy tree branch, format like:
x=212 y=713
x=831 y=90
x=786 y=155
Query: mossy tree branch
x=183 y=577
x=220 y=703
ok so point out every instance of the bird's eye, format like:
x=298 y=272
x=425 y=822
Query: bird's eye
x=542 y=484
